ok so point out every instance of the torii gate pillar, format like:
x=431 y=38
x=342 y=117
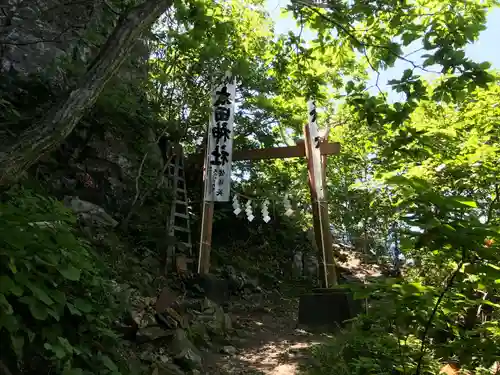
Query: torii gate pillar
x=316 y=167
x=316 y=152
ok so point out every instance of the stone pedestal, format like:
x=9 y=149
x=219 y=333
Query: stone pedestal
x=215 y=288
x=327 y=309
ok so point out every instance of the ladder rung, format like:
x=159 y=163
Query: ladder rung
x=181 y=202
x=181 y=229
x=186 y=244
x=184 y=216
x=179 y=190
x=180 y=179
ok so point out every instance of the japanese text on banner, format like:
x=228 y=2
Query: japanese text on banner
x=220 y=142
x=315 y=144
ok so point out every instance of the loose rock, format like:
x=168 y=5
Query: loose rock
x=151 y=333
x=185 y=353
x=231 y=350
x=168 y=369
x=166 y=299
x=90 y=214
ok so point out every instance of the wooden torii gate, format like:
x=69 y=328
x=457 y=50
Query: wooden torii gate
x=316 y=151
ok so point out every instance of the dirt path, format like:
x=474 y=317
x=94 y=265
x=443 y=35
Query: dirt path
x=268 y=341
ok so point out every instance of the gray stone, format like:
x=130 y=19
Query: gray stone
x=30 y=22
x=142 y=311
x=189 y=359
x=311 y=265
x=228 y=349
x=147 y=353
x=166 y=299
x=168 y=369
x=228 y=323
x=213 y=317
x=298 y=263
x=185 y=353
x=167 y=320
x=151 y=333
x=89 y=213
x=144 y=318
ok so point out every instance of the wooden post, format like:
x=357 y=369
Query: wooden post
x=206 y=238
x=320 y=208
x=207 y=220
x=324 y=159
x=321 y=221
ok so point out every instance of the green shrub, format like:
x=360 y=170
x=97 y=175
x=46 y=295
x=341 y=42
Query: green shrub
x=56 y=306
x=358 y=352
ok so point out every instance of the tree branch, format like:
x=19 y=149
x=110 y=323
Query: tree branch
x=111 y=8
x=492 y=204
x=346 y=31
x=62 y=119
x=434 y=311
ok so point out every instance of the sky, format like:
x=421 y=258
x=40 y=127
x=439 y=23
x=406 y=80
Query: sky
x=485 y=49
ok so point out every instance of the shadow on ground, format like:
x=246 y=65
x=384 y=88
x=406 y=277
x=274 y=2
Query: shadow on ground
x=268 y=342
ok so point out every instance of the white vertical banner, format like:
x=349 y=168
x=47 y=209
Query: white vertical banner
x=220 y=142
x=316 y=154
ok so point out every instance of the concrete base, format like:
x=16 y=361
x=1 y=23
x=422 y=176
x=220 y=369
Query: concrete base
x=326 y=309
x=215 y=288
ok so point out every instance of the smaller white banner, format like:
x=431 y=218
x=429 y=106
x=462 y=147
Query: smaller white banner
x=220 y=142
x=316 y=154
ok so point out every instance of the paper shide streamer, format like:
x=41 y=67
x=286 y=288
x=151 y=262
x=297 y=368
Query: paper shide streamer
x=249 y=207
x=236 y=205
x=288 y=206
x=265 y=211
x=248 y=210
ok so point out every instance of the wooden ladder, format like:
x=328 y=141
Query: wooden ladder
x=179 y=253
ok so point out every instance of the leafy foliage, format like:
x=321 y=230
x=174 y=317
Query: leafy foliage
x=436 y=184
x=57 y=306
x=417 y=177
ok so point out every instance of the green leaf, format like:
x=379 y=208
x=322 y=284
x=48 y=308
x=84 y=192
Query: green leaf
x=58 y=296
x=57 y=349
x=70 y=272
x=18 y=345
x=12 y=266
x=83 y=305
x=31 y=335
x=53 y=313
x=414 y=288
x=65 y=343
x=9 y=322
x=40 y=294
x=17 y=290
x=73 y=310
x=407 y=74
x=465 y=202
x=485 y=65
x=110 y=365
x=38 y=310
x=431 y=60
x=490 y=303
x=5 y=306
x=495 y=267
x=8 y=286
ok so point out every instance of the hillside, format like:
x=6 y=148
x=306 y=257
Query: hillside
x=122 y=121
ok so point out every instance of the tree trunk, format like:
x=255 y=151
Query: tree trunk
x=47 y=134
